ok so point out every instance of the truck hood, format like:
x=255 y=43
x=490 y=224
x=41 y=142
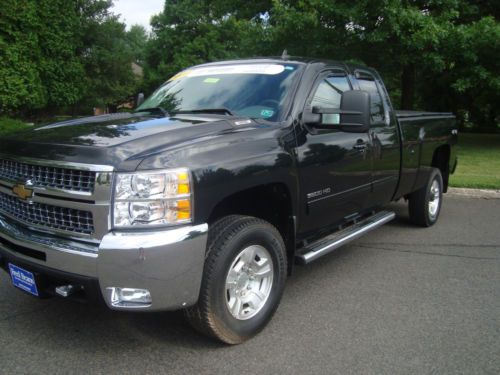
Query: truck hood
x=121 y=140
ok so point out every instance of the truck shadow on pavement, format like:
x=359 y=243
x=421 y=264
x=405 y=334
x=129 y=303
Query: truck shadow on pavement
x=96 y=329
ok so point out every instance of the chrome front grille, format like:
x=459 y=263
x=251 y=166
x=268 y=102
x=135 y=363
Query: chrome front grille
x=45 y=215
x=47 y=176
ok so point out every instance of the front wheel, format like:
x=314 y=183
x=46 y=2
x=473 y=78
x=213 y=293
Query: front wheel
x=425 y=203
x=243 y=280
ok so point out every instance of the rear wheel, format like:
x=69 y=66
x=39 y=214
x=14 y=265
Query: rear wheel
x=243 y=280
x=425 y=203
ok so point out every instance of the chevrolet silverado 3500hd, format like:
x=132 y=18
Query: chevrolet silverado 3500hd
x=204 y=197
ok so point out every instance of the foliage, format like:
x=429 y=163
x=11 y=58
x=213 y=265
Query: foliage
x=59 y=67
x=137 y=38
x=20 y=82
x=62 y=54
x=107 y=62
x=473 y=51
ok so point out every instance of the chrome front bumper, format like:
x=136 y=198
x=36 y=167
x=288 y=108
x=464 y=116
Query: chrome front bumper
x=167 y=263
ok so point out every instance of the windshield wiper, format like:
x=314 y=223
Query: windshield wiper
x=216 y=111
x=158 y=109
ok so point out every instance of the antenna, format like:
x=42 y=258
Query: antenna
x=284 y=55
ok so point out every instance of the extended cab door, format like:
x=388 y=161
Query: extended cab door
x=334 y=166
x=385 y=139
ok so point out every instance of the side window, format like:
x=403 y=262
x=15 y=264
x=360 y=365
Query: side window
x=329 y=91
x=367 y=83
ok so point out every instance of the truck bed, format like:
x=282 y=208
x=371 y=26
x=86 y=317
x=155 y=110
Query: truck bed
x=421 y=134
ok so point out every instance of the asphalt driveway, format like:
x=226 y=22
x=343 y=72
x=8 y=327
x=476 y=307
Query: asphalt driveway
x=402 y=300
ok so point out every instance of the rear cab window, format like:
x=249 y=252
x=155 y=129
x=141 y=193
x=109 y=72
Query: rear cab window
x=378 y=111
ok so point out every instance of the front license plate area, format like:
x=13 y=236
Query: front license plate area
x=23 y=279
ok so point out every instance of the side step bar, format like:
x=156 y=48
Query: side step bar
x=334 y=241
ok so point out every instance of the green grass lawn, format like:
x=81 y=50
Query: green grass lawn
x=8 y=125
x=478 y=161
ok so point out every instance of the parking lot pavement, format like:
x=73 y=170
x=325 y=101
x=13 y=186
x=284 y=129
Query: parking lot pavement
x=401 y=300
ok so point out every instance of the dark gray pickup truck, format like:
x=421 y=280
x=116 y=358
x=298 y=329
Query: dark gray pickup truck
x=205 y=196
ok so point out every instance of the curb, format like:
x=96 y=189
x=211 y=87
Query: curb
x=475 y=193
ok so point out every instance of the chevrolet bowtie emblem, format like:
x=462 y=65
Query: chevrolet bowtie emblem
x=22 y=192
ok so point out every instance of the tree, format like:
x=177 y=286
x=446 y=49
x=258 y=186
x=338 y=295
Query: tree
x=60 y=68
x=137 y=38
x=470 y=83
x=107 y=62
x=19 y=79
x=62 y=54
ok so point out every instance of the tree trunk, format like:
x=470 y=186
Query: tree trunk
x=408 y=87
x=492 y=119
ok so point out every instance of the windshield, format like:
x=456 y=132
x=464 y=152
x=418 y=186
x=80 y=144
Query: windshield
x=249 y=90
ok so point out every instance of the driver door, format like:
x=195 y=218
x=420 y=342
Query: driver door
x=335 y=167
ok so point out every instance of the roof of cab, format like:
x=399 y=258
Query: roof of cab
x=270 y=59
x=289 y=59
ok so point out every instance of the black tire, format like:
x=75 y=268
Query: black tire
x=421 y=201
x=227 y=238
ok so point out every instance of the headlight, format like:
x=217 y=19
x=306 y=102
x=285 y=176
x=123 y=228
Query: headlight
x=152 y=198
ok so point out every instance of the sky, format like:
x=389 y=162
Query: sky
x=137 y=11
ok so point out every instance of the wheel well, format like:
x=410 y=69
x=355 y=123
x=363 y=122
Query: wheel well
x=441 y=160
x=271 y=202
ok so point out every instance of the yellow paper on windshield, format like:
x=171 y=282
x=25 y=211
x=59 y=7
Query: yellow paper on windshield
x=267 y=69
x=180 y=75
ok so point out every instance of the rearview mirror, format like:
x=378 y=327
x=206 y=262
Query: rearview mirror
x=352 y=116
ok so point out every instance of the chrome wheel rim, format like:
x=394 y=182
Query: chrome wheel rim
x=249 y=282
x=434 y=199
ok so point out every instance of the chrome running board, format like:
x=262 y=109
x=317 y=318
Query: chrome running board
x=335 y=240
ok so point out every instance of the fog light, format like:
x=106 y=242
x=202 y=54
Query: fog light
x=129 y=297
